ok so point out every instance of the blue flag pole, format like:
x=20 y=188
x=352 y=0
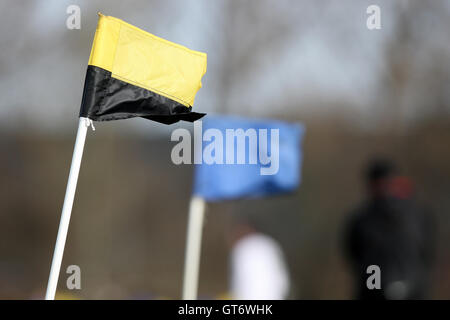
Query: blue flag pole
x=193 y=248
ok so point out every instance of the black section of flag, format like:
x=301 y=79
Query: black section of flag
x=106 y=98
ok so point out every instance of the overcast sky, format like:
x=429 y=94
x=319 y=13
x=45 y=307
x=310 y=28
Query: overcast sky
x=328 y=54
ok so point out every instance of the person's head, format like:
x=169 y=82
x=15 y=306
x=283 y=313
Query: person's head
x=377 y=175
x=383 y=180
x=242 y=226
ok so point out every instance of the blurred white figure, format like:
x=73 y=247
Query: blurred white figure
x=258 y=268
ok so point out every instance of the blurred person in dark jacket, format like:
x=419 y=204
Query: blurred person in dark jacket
x=391 y=231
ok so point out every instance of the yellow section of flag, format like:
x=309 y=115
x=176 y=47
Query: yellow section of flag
x=147 y=61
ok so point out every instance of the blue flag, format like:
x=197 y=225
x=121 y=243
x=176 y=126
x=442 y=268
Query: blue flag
x=247 y=158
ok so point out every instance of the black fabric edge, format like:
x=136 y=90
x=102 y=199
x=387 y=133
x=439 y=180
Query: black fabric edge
x=106 y=98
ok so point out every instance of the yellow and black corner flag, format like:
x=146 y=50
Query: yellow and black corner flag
x=132 y=73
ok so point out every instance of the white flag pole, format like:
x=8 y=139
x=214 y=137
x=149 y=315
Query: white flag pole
x=83 y=125
x=193 y=247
